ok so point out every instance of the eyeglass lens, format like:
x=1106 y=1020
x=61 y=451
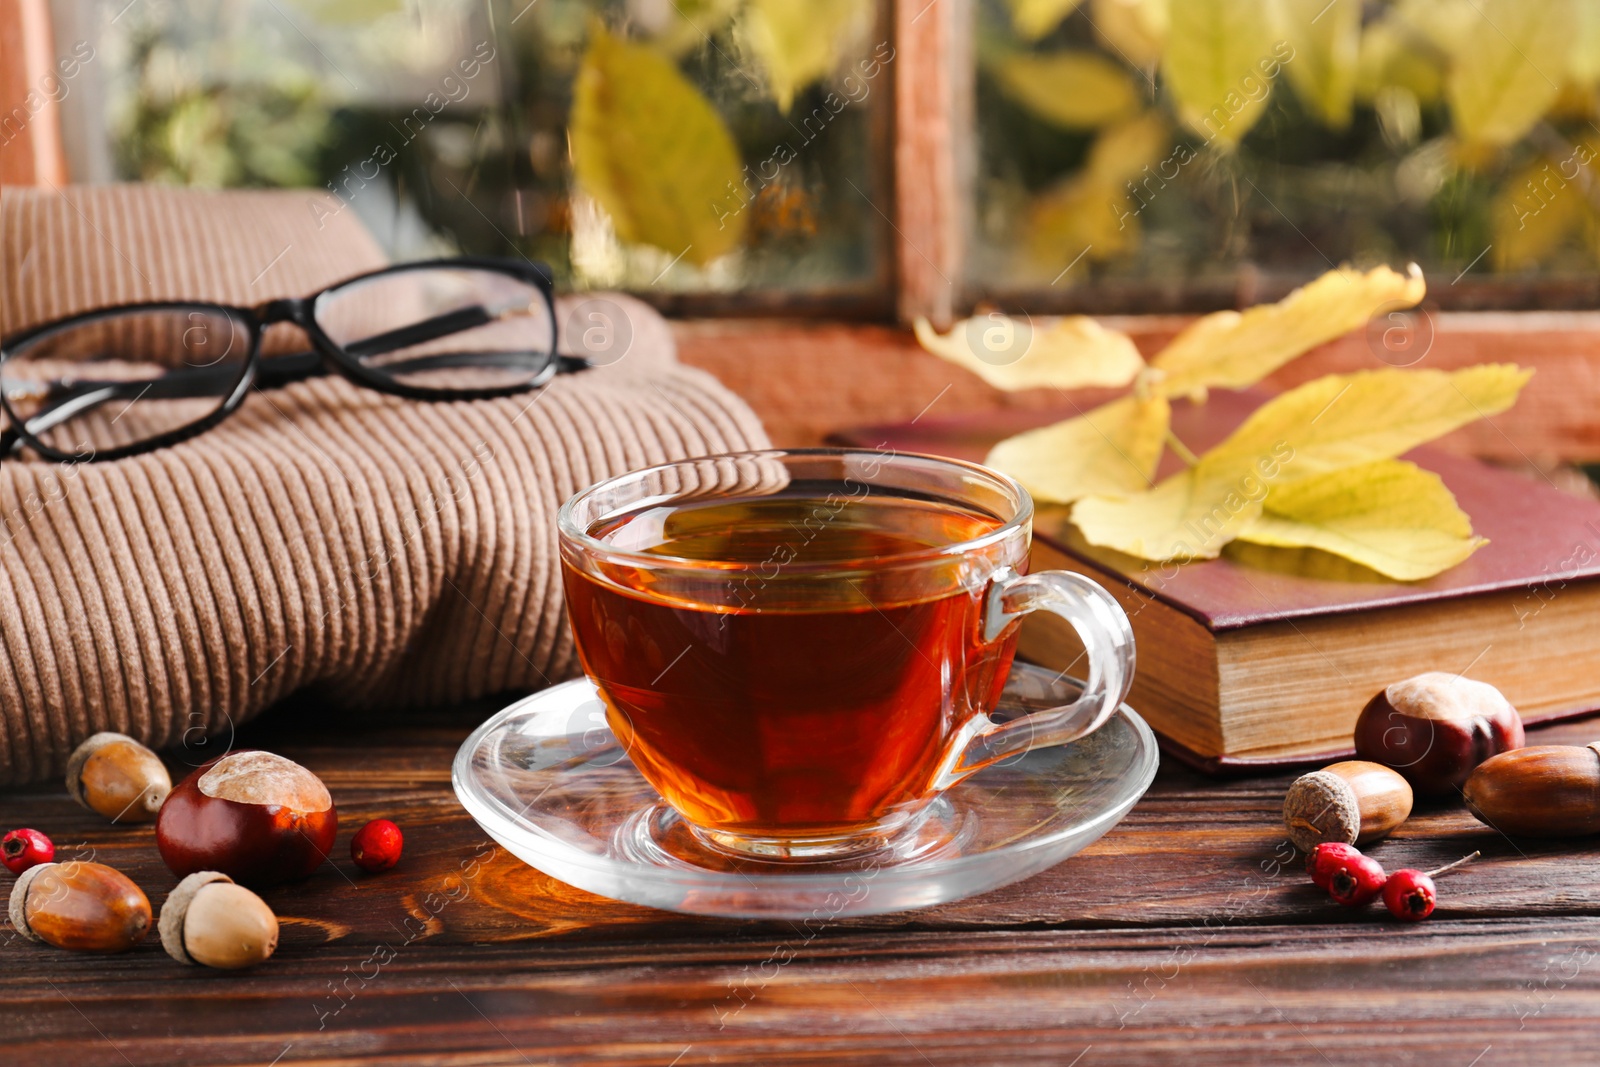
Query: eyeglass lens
x=124 y=378
x=445 y=329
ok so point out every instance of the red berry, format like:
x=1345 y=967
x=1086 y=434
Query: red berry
x=376 y=846
x=1327 y=857
x=1356 y=881
x=1409 y=895
x=21 y=849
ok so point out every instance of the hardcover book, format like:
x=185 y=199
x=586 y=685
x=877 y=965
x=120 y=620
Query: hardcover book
x=1264 y=657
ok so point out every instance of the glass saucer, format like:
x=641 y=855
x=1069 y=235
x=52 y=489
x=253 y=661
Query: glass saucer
x=547 y=780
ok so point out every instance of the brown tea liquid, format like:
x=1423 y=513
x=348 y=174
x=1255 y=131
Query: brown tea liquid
x=808 y=706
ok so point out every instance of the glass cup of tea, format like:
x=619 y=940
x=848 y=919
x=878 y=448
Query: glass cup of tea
x=799 y=649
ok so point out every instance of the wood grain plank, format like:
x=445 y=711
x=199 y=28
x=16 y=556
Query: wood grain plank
x=1185 y=934
x=1357 y=989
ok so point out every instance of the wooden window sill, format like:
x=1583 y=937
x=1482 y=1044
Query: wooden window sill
x=806 y=379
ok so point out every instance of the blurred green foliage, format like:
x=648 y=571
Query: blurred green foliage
x=179 y=129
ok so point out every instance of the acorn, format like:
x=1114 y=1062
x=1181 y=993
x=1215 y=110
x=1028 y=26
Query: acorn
x=86 y=907
x=1435 y=728
x=118 y=777
x=1543 y=791
x=1354 y=803
x=210 y=921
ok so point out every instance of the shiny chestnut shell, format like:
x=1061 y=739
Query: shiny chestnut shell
x=1435 y=728
x=257 y=817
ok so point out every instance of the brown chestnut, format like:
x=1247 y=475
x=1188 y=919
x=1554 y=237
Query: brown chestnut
x=87 y=907
x=1352 y=803
x=210 y=921
x=254 y=816
x=1435 y=728
x=1543 y=791
x=118 y=777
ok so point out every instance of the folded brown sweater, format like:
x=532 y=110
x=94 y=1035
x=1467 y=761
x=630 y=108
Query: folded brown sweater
x=387 y=551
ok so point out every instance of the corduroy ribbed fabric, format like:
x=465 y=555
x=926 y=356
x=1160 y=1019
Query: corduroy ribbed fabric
x=387 y=551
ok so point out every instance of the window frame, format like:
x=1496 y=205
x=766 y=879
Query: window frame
x=34 y=155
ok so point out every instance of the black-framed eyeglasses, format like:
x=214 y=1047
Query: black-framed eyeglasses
x=123 y=380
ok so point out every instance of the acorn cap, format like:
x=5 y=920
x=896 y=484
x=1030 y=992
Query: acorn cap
x=80 y=756
x=170 y=924
x=19 y=899
x=1320 y=807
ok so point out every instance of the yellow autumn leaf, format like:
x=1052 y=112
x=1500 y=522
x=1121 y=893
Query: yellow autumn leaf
x=1232 y=350
x=1583 y=62
x=1443 y=25
x=1080 y=219
x=1393 y=57
x=1010 y=353
x=1391 y=516
x=1136 y=30
x=1506 y=69
x=1072 y=90
x=1218 y=56
x=1188 y=516
x=1035 y=18
x=1326 y=425
x=1326 y=35
x=800 y=41
x=1341 y=420
x=652 y=151
x=1111 y=450
x=1091 y=212
x=1120 y=153
x=1536 y=212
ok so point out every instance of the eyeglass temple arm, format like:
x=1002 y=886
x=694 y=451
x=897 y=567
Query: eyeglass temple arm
x=80 y=397
x=443 y=326
x=418 y=333
x=282 y=370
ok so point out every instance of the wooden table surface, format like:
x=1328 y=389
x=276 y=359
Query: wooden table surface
x=1186 y=935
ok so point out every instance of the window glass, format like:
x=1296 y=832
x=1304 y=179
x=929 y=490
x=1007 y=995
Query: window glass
x=1179 y=154
x=671 y=145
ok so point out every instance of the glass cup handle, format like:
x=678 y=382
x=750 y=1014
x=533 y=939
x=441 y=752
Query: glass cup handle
x=1107 y=638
